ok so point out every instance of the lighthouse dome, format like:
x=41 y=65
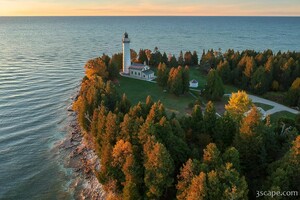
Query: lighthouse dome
x=125 y=38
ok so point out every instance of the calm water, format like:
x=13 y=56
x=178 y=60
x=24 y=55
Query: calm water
x=41 y=65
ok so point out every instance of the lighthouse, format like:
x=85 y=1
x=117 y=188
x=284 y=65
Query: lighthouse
x=126 y=54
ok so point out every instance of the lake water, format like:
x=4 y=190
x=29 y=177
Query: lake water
x=41 y=66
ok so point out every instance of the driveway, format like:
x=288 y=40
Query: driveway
x=277 y=107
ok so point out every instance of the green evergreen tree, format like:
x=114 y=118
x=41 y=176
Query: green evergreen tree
x=159 y=169
x=181 y=59
x=185 y=79
x=162 y=75
x=214 y=89
x=223 y=69
x=195 y=59
x=188 y=58
x=210 y=118
x=142 y=56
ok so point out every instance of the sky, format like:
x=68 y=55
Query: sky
x=149 y=8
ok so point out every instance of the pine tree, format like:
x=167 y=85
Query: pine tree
x=159 y=169
x=285 y=174
x=164 y=59
x=188 y=58
x=249 y=142
x=293 y=95
x=142 y=56
x=187 y=172
x=210 y=118
x=211 y=156
x=223 y=69
x=175 y=84
x=195 y=59
x=198 y=188
x=214 y=89
x=226 y=128
x=180 y=59
x=261 y=81
x=173 y=62
x=162 y=75
x=186 y=79
x=231 y=155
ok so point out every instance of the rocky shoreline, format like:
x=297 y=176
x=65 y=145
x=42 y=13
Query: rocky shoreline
x=84 y=162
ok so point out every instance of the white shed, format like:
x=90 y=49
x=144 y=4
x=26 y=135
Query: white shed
x=193 y=83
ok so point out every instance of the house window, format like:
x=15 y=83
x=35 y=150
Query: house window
x=131 y=72
x=134 y=73
x=144 y=76
x=139 y=73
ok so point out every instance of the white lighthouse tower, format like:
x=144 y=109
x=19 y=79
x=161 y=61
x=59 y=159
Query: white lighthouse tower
x=126 y=54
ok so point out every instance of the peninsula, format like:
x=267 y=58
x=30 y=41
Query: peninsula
x=164 y=127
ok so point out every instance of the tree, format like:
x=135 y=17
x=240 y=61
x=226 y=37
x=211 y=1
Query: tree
x=196 y=120
x=211 y=156
x=148 y=54
x=96 y=67
x=195 y=59
x=156 y=58
x=197 y=190
x=180 y=59
x=231 y=155
x=210 y=118
x=133 y=55
x=173 y=62
x=113 y=69
x=159 y=169
x=188 y=58
x=175 y=84
x=208 y=59
x=124 y=104
x=234 y=185
x=248 y=71
x=238 y=104
x=214 y=89
x=285 y=174
x=162 y=75
x=117 y=59
x=187 y=172
x=185 y=79
x=224 y=71
x=142 y=56
x=261 y=81
x=293 y=95
x=164 y=59
x=223 y=180
x=226 y=128
x=250 y=144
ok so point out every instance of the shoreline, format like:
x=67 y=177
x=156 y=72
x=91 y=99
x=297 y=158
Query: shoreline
x=84 y=162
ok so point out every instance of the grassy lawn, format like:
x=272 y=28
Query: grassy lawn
x=137 y=90
x=276 y=116
x=278 y=97
x=196 y=74
x=264 y=106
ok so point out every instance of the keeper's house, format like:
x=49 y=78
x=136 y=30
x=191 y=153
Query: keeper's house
x=141 y=71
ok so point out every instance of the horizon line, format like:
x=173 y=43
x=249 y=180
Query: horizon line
x=149 y=15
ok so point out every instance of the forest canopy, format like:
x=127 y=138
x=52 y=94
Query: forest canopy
x=147 y=154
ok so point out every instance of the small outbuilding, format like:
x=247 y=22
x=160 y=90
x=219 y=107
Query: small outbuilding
x=194 y=83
